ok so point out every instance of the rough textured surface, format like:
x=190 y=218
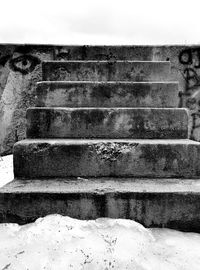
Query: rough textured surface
x=57 y=242
x=106 y=71
x=138 y=158
x=170 y=203
x=20 y=69
x=36 y=198
x=107 y=123
x=107 y=94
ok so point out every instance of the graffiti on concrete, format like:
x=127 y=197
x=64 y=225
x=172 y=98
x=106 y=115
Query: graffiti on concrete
x=191 y=77
x=190 y=59
x=23 y=63
x=20 y=69
x=190 y=56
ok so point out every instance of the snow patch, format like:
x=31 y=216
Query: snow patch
x=57 y=242
x=6 y=169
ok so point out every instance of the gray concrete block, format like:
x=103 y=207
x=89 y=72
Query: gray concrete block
x=107 y=94
x=135 y=123
x=171 y=203
x=98 y=158
x=106 y=71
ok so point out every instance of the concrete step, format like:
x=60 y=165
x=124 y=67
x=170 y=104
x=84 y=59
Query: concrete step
x=35 y=158
x=119 y=52
x=135 y=123
x=106 y=71
x=171 y=203
x=107 y=94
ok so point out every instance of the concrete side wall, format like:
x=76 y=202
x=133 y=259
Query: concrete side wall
x=20 y=69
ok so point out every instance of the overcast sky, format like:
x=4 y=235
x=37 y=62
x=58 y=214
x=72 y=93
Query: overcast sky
x=100 y=22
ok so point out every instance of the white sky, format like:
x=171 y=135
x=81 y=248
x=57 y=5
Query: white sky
x=100 y=22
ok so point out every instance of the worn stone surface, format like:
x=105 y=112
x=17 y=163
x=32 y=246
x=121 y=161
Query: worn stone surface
x=111 y=123
x=128 y=158
x=171 y=203
x=20 y=69
x=107 y=94
x=106 y=71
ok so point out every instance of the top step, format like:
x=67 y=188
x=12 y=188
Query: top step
x=108 y=52
x=141 y=71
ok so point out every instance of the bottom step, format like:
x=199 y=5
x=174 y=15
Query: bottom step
x=171 y=203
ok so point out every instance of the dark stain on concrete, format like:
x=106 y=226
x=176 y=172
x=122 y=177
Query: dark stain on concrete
x=6 y=267
x=101 y=91
x=93 y=117
x=154 y=154
x=145 y=91
x=175 y=211
x=40 y=147
x=4 y=59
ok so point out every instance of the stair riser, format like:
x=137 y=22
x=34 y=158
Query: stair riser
x=107 y=123
x=175 y=211
x=107 y=95
x=131 y=52
x=106 y=71
x=50 y=158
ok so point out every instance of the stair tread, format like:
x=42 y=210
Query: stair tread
x=106 y=108
x=104 y=61
x=103 y=185
x=93 y=141
x=111 y=157
x=107 y=94
x=104 y=52
x=172 y=203
x=143 y=123
x=107 y=82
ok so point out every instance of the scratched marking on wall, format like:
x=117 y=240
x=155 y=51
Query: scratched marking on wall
x=190 y=59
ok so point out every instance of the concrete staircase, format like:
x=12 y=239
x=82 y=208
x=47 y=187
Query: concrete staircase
x=106 y=140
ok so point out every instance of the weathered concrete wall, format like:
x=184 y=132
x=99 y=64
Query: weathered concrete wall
x=20 y=69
